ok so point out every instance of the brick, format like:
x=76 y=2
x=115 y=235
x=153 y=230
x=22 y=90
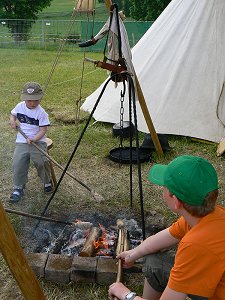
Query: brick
x=58 y=268
x=37 y=262
x=106 y=270
x=83 y=269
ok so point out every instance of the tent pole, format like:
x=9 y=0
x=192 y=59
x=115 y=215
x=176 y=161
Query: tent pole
x=147 y=117
x=108 y=4
x=16 y=260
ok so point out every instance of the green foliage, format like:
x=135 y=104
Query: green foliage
x=124 y=5
x=23 y=9
x=147 y=10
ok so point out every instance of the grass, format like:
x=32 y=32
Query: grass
x=63 y=9
x=90 y=162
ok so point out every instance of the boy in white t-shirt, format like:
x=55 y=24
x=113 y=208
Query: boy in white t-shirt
x=33 y=121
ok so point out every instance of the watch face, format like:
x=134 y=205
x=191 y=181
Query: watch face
x=130 y=296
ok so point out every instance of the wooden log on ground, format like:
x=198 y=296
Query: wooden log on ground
x=89 y=247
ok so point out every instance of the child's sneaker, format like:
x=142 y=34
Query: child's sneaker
x=48 y=188
x=16 y=195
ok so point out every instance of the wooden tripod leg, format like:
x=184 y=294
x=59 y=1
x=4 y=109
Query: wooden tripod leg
x=16 y=260
x=53 y=177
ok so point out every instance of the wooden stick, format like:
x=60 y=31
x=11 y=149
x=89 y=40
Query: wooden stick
x=126 y=246
x=16 y=260
x=120 y=248
x=94 y=193
x=119 y=272
x=82 y=225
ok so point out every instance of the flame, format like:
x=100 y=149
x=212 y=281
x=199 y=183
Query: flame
x=102 y=245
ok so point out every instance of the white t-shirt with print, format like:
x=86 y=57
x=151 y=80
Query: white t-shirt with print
x=30 y=120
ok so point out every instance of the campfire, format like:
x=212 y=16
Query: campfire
x=85 y=240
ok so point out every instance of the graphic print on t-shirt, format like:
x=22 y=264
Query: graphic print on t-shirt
x=25 y=119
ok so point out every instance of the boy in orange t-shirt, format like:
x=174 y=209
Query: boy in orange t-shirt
x=190 y=189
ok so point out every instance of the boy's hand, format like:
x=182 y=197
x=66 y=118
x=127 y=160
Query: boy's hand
x=29 y=141
x=12 y=120
x=126 y=258
x=118 y=290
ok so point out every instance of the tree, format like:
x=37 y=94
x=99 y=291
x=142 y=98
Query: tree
x=147 y=10
x=12 y=10
x=141 y=10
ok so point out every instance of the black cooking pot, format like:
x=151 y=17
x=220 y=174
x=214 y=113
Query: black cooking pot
x=124 y=130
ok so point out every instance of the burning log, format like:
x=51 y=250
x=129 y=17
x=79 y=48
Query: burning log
x=89 y=248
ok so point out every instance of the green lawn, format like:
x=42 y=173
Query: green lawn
x=60 y=6
x=90 y=163
x=60 y=9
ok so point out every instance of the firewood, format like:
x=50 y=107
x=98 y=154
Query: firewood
x=89 y=248
x=126 y=246
x=120 y=248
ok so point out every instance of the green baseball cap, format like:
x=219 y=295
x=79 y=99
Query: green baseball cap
x=31 y=91
x=189 y=178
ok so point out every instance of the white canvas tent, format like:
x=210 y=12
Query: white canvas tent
x=180 y=63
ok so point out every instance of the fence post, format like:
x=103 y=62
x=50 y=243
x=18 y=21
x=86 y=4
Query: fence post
x=43 y=33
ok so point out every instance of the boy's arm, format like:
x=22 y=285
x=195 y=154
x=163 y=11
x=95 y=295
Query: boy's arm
x=152 y=244
x=170 y=294
x=42 y=131
x=12 y=120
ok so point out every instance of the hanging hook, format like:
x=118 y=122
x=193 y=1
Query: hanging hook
x=123 y=92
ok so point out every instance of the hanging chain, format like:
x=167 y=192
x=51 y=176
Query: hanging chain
x=122 y=95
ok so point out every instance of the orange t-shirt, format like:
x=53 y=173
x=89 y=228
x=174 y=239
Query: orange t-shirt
x=199 y=267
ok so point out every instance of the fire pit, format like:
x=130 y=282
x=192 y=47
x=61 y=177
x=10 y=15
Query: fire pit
x=83 y=252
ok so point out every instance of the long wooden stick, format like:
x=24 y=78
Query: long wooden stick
x=94 y=193
x=83 y=225
x=119 y=249
x=16 y=260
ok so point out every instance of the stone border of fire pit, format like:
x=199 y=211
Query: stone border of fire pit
x=64 y=269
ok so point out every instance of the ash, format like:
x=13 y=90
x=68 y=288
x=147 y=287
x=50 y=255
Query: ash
x=68 y=242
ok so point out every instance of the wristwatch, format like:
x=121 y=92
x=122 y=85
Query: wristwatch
x=130 y=296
